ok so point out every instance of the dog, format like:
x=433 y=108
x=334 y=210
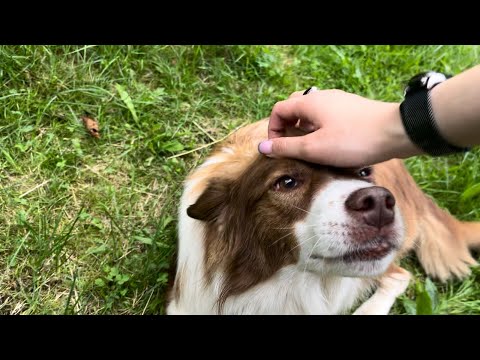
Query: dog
x=260 y=235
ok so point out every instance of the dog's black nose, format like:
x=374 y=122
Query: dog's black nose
x=373 y=205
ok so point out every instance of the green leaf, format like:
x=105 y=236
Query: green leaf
x=471 y=192
x=143 y=240
x=26 y=129
x=172 y=146
x=410 y=307
x=162 y=278
x=10 y=160
x=112 y=273
x=122 y=279
x=97 y=249
x=165 y=221
x=96 y=222
x=99 y=282
x=21 y=217
x=21 y=201
x=424 y=302
x=162 y=244
x=83 y=216
x=159 y=92
x=127 y=100
x=432 y=292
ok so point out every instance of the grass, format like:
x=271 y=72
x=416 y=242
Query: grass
x=88 y=226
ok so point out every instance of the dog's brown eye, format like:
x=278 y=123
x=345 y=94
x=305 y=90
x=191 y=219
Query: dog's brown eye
x=365 y=172
x=286 y=183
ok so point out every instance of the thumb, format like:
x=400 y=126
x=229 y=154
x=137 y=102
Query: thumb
x=293 y=147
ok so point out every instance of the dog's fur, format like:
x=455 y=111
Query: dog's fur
x=247 y=245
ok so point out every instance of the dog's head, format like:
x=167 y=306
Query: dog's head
x=281 y=212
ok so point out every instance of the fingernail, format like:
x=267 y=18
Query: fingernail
x=265 y=147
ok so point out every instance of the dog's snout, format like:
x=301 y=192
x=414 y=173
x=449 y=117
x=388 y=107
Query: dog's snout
x=373 y=205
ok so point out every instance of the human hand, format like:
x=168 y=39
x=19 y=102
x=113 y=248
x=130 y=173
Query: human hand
x=342 y=129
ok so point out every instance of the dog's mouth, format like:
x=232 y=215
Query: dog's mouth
x=377 y=250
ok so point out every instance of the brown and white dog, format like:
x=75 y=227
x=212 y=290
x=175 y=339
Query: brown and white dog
x=259 y=235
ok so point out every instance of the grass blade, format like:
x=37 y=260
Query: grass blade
x=127 y=100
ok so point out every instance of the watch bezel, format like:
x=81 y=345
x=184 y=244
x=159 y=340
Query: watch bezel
x=425 y=81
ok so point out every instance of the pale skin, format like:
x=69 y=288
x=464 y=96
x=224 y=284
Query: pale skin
x=346 y=130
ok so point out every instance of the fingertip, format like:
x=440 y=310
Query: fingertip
x=265 y=147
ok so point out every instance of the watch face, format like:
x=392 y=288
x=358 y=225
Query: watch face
x=426 y=80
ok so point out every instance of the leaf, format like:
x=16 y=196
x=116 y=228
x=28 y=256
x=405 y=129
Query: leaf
x=410 y=307
x=423 y=300
x=96 y=222
x=97 y=249
x=27 y=129
x=143 y=240
x=172 y=146
x=432 y=292
x=10 y=160
x=122 y=279
x=99 y=282
x=159 y=92
x=83 y=216
x=77 y=146
x=471 y=192
x=165 y=221
x=127 y=100
x=113 y=272
x=162 y=278
x=92 y=126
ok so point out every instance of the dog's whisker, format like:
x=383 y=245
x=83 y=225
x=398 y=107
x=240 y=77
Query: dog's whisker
x=296 y=207
x=303 y=242
x=311 y=252
x=284 y=236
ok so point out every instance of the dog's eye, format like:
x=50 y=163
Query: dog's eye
x=285 y=183
x=365 y=172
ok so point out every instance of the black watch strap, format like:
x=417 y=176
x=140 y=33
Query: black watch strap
x=418 y=119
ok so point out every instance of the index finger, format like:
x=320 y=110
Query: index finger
x=285 y=114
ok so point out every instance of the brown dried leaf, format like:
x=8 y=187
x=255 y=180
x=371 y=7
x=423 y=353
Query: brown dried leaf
x=92 y=126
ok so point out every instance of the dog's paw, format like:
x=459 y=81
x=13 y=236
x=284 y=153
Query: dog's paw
x=443 y=260
x=391 y=285
x=395 y=281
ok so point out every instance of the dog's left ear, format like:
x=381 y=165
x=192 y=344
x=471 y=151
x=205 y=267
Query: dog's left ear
x=211 y=203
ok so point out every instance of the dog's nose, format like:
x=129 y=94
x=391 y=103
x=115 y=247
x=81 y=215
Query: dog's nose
x=374 y=205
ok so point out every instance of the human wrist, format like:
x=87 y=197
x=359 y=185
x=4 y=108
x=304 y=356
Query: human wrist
x=419 y=119
x=397 y=143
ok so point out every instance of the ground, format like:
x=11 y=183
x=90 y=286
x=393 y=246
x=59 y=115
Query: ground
x=87 y=225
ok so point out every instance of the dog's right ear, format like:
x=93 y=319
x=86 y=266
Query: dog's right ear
x=211 y=203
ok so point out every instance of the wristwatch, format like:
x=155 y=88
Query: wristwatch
x=418 y=118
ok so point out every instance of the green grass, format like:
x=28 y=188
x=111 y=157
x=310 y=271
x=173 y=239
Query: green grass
x=88 y=226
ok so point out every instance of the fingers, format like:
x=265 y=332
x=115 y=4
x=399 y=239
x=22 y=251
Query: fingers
x=285 y=114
